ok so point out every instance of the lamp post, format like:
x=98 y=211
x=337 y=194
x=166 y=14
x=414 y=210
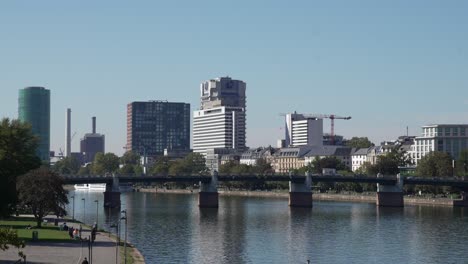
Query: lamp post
x=117 y=241
x=125 y=245
x=84 y=210
x=73 y=206
x=97 y=212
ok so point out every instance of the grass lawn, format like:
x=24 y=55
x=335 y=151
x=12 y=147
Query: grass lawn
x=49 y=232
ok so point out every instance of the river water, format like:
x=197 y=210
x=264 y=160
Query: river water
x=170 y=228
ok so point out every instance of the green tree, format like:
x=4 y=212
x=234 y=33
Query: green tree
x=462 y=163
x=328 y=162
x=435 y=164
x=85 y=170
x=41 y=191
x=160 y=167
x=105 y=163
x=17 y=156
x=9 y=237
x=67 y=165
x=178 y=167
x=262 y=167
x=130 y=157
x=359 y=142
x=386 y=165
x=195 y=163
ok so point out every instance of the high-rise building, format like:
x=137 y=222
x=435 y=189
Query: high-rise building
x=303 y=130
x=157 y=125
x=34 y=108
x=221 y=120
x=92 y=143
x=450 y=138
x=222 y=91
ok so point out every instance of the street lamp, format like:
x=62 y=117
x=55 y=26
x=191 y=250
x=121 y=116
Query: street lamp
x=84 y=209
x=73 y=206
x=97 y=213
x=125 y=245
x=117 y=241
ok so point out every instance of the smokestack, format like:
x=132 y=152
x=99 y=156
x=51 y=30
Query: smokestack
x=94 y=125
x=68 y=134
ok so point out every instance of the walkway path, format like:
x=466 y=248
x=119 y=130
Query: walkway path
x=104 y=251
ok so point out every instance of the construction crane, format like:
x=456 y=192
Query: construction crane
x=332 y=118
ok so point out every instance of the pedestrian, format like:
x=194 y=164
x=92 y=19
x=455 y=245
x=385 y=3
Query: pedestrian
x=85 y=261
x=70 y=232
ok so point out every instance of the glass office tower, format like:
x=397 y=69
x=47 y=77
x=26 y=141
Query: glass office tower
x=34 y=108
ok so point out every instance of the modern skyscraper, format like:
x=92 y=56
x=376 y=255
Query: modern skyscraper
x=221 y=120
x=157 y=125
x=92 y=143
x=303 y=130
x=34 y=108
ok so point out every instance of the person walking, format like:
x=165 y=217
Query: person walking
x=85 y=261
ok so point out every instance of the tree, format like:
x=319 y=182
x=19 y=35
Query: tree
x=130 y=158
x=67 y=165
x=262 y=167
x=386 y=165
x=435 y=164
x=462 y=163
x=160 y=167
x=359 y=142
x=328 y=162
x=17 y=156
x=41 y=191
x=85 y=170
x=105 y=163
x=9 y=236
x=195 y=162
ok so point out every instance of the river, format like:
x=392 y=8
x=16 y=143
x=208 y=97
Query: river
x=170 y=228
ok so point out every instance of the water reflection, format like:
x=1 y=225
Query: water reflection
x=170 y=228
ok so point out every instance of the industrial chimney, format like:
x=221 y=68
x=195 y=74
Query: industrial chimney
x=94 y=125
x=68 y=134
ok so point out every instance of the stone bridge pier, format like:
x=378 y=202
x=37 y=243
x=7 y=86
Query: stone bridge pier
x=463 y=202
x=112 y=193
x=300 y=194
x=208 y=195
x=390 y=195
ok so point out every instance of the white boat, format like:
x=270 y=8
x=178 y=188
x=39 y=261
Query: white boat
x=91 y=187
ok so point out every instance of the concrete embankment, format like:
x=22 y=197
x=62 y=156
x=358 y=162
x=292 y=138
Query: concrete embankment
x=369 y=198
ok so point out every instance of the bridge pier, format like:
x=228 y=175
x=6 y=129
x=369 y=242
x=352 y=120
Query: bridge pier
x=463 y=202
x=390 y=195
x=112 y=193
x=208 y=195
x=300 y=194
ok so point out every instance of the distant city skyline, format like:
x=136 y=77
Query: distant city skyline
x=389 y=65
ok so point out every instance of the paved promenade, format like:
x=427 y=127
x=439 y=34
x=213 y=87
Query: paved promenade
x=65 y=253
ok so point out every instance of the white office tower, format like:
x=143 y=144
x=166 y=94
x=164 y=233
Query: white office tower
x=221 y=120
x=303 y=130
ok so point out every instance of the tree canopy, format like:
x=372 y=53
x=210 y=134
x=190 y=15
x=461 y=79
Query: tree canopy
x=67 y=165
x=105 y=163
x=359 y=142
x=435 y=164
x=41 y=191
x=327 y=162
x=17 y=156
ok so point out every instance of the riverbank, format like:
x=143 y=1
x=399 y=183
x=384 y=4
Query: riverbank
x=55 y=246
x=362 y=198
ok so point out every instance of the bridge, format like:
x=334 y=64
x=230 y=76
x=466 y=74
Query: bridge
x=389 y=188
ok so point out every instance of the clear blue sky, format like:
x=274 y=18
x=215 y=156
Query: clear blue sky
x=388 y=64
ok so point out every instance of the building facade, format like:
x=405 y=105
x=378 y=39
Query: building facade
x=221 y=127
x=34 y=108
x=450 y=138
x=303 y=130
x=157 y=125
x=221 y=120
